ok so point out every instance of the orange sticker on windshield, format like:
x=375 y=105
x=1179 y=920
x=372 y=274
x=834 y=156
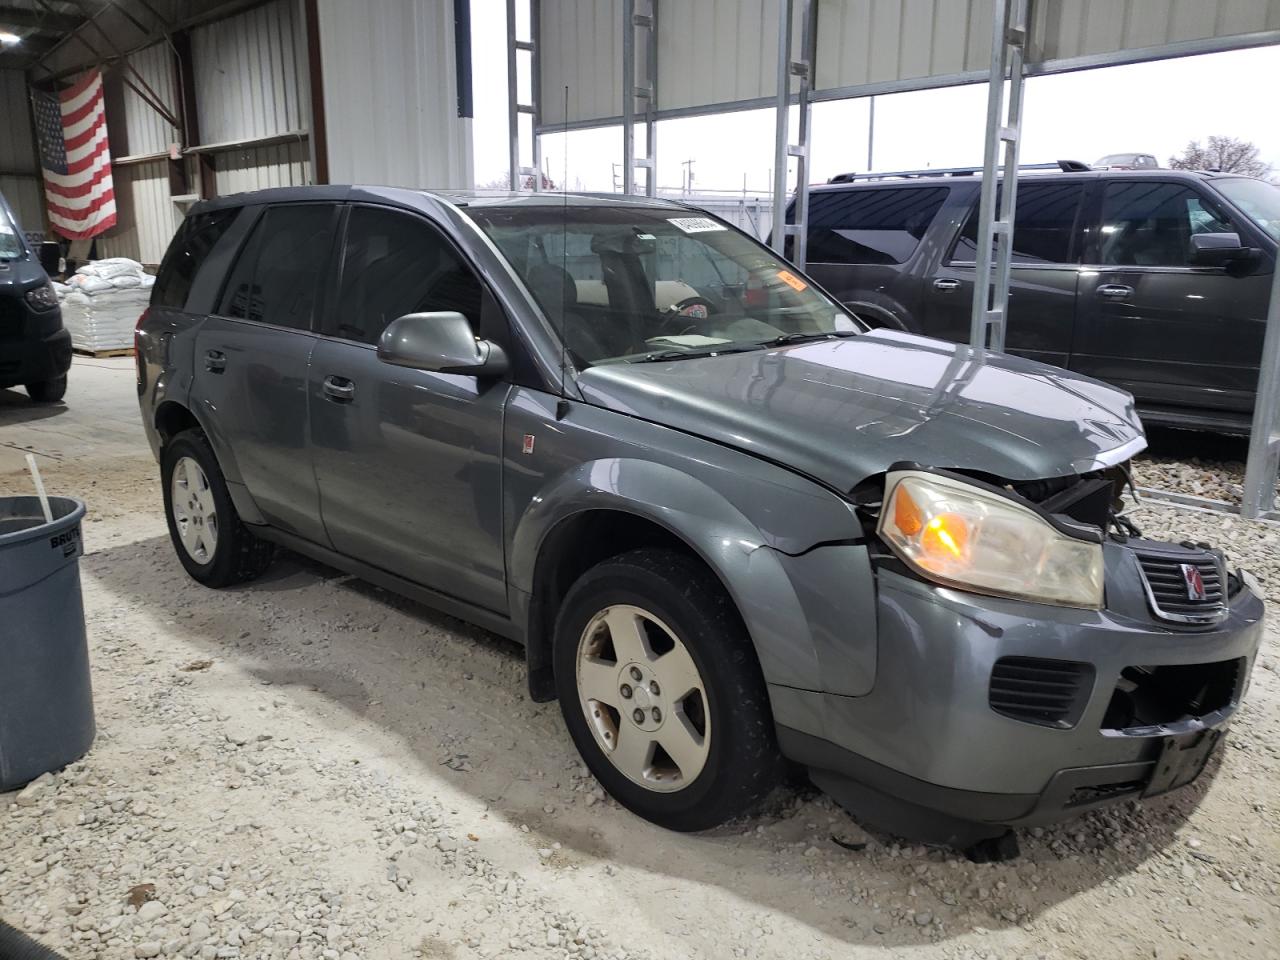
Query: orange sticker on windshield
x=792 y=281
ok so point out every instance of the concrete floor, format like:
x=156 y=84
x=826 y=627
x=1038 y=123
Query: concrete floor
x=98 y=417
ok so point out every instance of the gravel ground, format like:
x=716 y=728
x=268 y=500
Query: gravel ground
x=1199 y=464
x=309 y=767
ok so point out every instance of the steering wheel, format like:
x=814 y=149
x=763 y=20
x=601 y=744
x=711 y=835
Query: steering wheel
x=695 y=309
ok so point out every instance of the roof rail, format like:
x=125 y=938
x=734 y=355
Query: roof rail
x=1064 y=166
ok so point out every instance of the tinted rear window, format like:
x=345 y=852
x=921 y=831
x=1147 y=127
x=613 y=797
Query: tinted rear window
x=276 y=277
x=187 y=254
x=1044 y=224
x=870 y=226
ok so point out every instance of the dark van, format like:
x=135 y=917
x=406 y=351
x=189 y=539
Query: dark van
x=35 y=351
x=1154 y=280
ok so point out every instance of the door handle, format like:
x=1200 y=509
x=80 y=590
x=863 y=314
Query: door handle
x=215 y=361
x=946 y=284
x=1115 y=291
x=339 y=389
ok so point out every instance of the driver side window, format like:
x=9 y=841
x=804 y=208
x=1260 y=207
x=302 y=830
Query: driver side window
x=395 y=263
x=1150 y=224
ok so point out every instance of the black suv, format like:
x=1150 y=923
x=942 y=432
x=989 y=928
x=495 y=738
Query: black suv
x=1154 y=280
x=35 y=351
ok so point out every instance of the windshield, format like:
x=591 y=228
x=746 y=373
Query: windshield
x=632 y=284
x=10 y=241
x=1257 y=198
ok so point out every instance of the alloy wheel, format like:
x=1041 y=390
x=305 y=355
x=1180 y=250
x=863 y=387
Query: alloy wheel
x=643 y=697
x=194 y=511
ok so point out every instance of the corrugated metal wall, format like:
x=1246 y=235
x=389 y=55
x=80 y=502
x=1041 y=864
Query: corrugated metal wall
x=581 y=48
x=878 y=41
x=256 y=168
x=19 y=165
x=714 y=53
x=146 y=217
x=716 y=50
x=250 y=75
x=145 y=131
x=390 y=94
x=1066 y=29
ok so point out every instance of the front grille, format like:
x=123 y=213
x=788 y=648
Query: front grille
x=1052 y=693
x=12 y=317
x=1155 y=696
x=1169 y=574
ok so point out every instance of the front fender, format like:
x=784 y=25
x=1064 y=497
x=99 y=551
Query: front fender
x=727 y=541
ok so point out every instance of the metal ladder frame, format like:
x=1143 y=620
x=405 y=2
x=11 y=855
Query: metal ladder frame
x=645 y=89
x=783 y=149
x=1259 y=499
x=515 y=108
x=991 y=279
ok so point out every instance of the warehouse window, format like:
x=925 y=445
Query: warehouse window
x=187 y=254
x=395 y=264
x=1044 y=224
x=870 y=226
x=1150 y=224
x=275 y=279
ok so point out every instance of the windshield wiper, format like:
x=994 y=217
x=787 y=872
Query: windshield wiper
x=666 y=355
x=787 y=338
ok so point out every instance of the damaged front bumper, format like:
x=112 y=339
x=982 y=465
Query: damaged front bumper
x=987 y=713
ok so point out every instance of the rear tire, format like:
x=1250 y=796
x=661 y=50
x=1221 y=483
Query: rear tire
x=662 y=693
x=48 y=391
x=212 y=543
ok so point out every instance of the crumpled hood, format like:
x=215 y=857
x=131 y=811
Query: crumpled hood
x=843 y=410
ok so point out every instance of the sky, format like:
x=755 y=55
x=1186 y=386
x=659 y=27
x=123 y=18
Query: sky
x=1151 y=108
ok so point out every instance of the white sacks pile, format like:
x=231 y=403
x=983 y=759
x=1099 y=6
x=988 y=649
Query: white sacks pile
x=102 y=301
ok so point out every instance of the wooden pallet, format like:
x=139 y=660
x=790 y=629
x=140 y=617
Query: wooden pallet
x=99 y=354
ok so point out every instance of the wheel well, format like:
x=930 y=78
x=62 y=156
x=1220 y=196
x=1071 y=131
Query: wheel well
x=877 y=316
x=572 y=548
x=172 y=418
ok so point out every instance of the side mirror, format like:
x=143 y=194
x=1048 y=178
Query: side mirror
x=1217 y=249
x=51 y=258
x=440 y=342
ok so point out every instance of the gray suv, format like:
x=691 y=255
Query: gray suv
x=730 y=525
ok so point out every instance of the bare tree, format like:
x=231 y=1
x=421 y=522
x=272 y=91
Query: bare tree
x=1222 y=153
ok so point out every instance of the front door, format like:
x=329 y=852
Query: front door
x=1042 y=274
x=1172 y=334
x=408 y=462
x=251 y=362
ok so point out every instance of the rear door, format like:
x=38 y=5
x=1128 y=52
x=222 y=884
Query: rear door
x=1042 y=274
x=865 y=246
x=1173 y=334
x=408 y=462
x=252 y=356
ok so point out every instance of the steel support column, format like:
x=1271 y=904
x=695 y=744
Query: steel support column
x=515 y=108
x=999 y=175
x=1264 y=438
x=642 y=87
x=783 y=148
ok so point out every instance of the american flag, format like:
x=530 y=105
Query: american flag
x=72 y=129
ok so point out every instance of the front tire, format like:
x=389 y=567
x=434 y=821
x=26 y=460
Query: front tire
x=212 y=543
x=662 y=693
x=48 y=391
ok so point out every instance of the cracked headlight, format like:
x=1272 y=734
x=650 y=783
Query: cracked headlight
x=961 y=535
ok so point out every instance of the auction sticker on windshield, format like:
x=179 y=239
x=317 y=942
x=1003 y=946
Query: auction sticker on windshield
x=695 y=224
x=792 y=281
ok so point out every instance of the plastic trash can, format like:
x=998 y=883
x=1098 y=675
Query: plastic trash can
x=46 y=700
